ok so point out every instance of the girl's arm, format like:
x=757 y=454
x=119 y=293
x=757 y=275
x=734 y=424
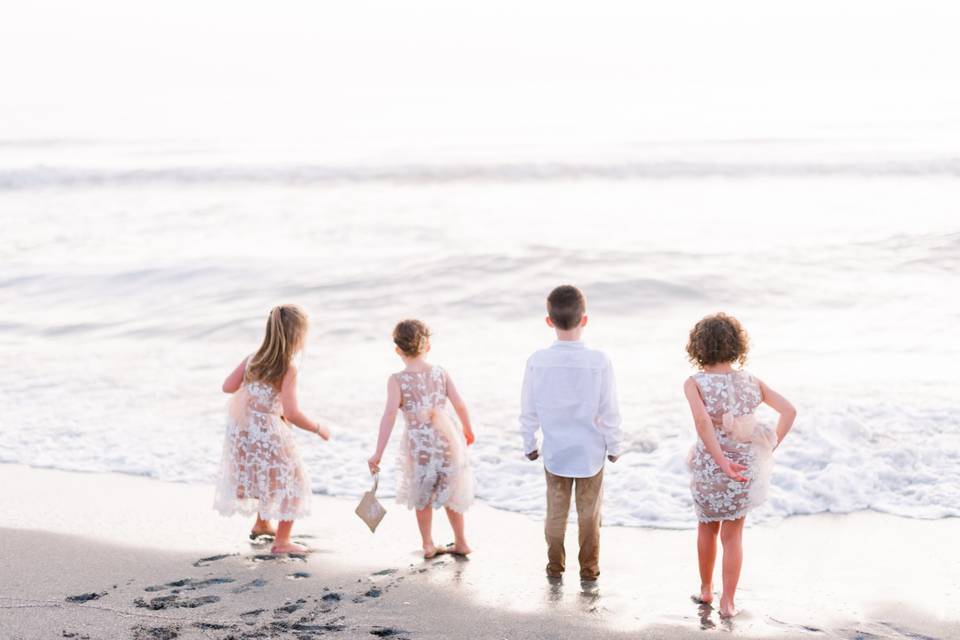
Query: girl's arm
x=235 y=379
x=291 y=409
x=460 y=407
x=386 y=423
x=707 y=433
x=782 y=406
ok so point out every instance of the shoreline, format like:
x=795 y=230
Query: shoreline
x=137 y=547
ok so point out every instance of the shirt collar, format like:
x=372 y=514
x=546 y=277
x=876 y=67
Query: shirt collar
x=568 y=344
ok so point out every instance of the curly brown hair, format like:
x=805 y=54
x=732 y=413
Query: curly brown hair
x=412 y=337
x=718 y=339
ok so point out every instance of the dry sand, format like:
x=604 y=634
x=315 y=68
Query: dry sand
x=106 y=557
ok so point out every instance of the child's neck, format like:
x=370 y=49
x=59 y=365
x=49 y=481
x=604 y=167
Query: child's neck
x=723 y=367
x=416 y=364
x=569 y=335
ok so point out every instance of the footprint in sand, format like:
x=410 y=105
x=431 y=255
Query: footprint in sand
x=189 y=584
x=174 y=602
x=155 y=633
x=289 y=608
x=299 y=575
x=387 y=632
x=212 y=626
x=253 y=584
x=85 y=597
x=269 y=557
x=252 y=614
x=202 y=562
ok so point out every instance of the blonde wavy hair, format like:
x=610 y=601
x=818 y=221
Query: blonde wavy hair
x=286 y=329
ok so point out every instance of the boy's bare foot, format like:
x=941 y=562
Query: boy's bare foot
x=432 y=551
x=458 y=549
x=727 y=609
x=288 y=547
x=706 y=594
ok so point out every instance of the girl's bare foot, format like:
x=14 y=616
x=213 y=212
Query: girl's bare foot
x=288 y=547
x=431 y=551
x=458 y=549
x=727 y=610
x=262 y=528
x=258 y=531
x=706 y=594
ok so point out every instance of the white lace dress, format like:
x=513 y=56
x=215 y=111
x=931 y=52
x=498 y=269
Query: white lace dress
x=261 y=470
x=731 y=399
x=433 y=459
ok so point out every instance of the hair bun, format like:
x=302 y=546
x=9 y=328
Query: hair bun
x=412 y=337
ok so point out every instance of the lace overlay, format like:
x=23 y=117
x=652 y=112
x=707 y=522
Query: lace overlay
x=261 y=470
x=731 y=399
x=433 y=459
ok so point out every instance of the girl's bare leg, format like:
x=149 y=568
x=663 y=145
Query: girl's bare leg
x=425 y=522
x=707 y=556
x=731 y=535
x=460 y=546
x=262 y=528
x=282 y=543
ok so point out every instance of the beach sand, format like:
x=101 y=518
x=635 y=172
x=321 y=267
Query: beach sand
x=101 y=556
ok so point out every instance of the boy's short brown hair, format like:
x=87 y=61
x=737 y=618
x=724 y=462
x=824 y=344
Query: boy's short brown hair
x=718 y=339
x=566 y=306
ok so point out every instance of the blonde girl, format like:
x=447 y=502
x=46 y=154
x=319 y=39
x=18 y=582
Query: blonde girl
x=261 y=471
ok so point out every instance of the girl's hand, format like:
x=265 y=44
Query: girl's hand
x=374 y=464
x=323 y=431
x=468 y=434
x=733 y=470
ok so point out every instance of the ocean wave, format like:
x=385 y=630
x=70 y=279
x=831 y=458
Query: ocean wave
x=833 y=462
x=308 y=174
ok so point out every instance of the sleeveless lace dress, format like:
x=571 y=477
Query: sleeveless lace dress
x=731 y=399
x=261 y=470
x=433 y=463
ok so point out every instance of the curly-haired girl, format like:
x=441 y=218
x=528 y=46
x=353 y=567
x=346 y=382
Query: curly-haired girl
x=730 y=464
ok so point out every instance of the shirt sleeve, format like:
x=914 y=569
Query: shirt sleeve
x=608 y=419
x=529 y=421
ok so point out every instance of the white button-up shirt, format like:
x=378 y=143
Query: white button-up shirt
x=569 y=393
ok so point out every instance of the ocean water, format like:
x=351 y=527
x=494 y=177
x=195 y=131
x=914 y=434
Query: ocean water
x=134 y=277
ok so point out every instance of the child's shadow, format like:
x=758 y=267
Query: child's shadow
x=554 y=589
x=705 y=612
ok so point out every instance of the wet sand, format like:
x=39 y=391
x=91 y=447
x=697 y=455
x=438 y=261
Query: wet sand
x=100 y=556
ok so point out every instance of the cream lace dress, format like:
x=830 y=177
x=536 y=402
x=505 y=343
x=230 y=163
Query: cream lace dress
x=433 y=459
x=731 y=399
x=261 y=470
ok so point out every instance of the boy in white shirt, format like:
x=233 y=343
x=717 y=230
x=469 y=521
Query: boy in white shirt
x=569 y=393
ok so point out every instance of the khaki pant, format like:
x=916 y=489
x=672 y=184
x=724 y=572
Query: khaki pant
x=589 y=492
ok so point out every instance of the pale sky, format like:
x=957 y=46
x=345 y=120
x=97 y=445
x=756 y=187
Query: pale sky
x=386 y=75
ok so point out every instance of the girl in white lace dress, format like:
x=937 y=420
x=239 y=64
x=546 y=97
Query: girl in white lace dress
x=435 y=471
x=731 y=462
x=261 y=471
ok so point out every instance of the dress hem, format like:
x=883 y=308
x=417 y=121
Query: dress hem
x=741 y=514
x=266 y=515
